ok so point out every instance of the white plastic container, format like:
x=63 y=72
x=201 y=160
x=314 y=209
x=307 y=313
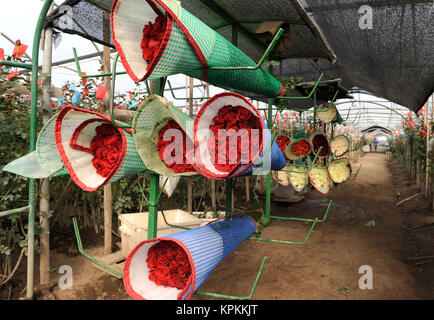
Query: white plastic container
x=208 y=217
x=134 y=226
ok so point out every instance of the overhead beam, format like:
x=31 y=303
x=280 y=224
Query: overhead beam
x=232 y=21
x=315 y=30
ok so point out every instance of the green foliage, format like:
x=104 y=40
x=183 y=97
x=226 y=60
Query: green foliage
x=370 y=224
x=289 y=85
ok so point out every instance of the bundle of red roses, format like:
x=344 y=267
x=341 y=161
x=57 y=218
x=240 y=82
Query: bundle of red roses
x=168 y=265
x=181 y=147
x=282 y=142
x=106 y=148
x=152 y=36
x=300 y=148
x=233 y=121
x=320 y=140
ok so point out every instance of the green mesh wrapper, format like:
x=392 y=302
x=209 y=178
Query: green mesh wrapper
x=152 y=115
x=189 y=46
x=77 y=126
x=45 y=161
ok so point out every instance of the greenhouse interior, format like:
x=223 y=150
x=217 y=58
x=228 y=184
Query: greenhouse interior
x=217 y=150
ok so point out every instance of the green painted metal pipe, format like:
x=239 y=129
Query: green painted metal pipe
x=224 y=296
x=88 y=256
x=310 y=167
x=112 y=93
x=153 y=208
x=16 y=64
x=33 y=117
x=268 y=178
x=331 y=103
x=311 y=92
x=288 y=242
x=176 y=98
x=8 y=213
x=77 y=65
x=307 y=220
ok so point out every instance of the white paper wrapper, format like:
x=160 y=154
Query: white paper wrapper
x=340 y=170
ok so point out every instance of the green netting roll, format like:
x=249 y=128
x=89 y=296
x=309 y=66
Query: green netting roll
x=188 y=46
x=45 y=161
x=152 y=115
x=74 y=130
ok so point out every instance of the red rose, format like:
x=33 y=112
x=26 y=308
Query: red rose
x=162 y=272
x=219 y=119
x=230 y=118
x=178 y=161
x=181 y=282
x=173 y=280
x=153 y=34
x=163 y=260
x=243 y=114
x=222 y=111
x=152 y=276
x=152 y=263
x=176 y=268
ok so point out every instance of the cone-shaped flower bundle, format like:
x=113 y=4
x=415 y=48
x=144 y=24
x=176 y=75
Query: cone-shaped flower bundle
x=270 y=158
x=174 y=267
x=228 y=136
x=326 y=113
x=298 y=177
x=281 y=177
x=45 y=161
x=320 y=179
x=340 y=170
x=283 y=142
x=339 y=145
x=319 y=140
x=297 y=149
x=162 y=134
x=94 y=151
x=157 y=38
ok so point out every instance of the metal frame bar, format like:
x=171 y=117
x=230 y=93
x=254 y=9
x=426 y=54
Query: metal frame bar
x=307 y=220
x=88 y=256
x=232 y=21
x=314 y=222
x=252 y=291
x=77 y=65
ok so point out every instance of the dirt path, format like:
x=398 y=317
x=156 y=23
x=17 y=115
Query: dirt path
x=326 y=267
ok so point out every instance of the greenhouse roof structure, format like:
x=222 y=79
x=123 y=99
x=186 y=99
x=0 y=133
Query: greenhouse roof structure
x=392 y=58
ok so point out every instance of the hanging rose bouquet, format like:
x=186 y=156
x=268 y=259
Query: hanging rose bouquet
x=106 y=149
x=318 y=140
x=233 y=121
x=168 y=265
x=282 y=142
x=180 y=147
x=301 y=148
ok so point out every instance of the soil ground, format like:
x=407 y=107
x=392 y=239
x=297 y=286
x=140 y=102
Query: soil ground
x=364 y=227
